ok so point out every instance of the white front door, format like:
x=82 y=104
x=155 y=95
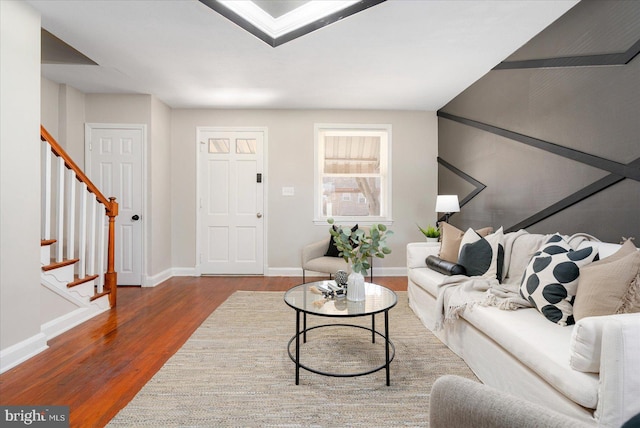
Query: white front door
x=114 y=164
x=230 y=201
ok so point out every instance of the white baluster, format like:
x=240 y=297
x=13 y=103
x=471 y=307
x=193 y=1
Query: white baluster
x=46 y=206
x=60 y=212
x=91 y=266
x=82 y=238
x=101 y=247
x=71 y=216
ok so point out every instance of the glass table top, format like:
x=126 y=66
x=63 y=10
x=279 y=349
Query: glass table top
x=377 y=299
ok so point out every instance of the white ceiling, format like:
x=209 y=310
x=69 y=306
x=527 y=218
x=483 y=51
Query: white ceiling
x=399 y=55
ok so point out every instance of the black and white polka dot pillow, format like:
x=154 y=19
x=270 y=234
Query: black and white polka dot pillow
x=550 y=281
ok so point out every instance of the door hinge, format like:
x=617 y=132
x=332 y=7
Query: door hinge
x=259 y=177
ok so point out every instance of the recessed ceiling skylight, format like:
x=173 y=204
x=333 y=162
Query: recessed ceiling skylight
x=303 y=18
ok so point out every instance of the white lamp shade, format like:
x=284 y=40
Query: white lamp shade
x=447 y=204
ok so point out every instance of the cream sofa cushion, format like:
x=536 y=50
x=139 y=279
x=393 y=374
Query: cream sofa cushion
x=538 y=344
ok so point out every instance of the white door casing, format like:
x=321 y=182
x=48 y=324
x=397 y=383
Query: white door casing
x=230 y=201
x=114 y=161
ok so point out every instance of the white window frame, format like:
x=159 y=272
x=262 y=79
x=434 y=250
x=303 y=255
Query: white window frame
x=332 y=129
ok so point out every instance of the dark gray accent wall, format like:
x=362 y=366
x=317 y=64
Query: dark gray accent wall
x=554 y=131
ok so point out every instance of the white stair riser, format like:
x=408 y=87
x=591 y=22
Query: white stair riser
x=84 y=290
x=60 y=276
x=45 y=254
x=102 y=302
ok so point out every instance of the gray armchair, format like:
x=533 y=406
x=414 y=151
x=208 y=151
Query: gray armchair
x=462 y=403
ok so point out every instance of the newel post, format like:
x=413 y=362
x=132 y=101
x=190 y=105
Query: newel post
x=111 y=277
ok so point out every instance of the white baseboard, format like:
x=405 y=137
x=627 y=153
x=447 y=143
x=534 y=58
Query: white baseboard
x=182 y=271
x=22 y=351
x=286 y=272
x=152 y=281
x=381 y=271
x=66 y=322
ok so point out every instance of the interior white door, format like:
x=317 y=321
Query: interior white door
x=230 y=214
x=114 y=164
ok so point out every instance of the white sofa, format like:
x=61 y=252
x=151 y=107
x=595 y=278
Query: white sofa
x=522 y=353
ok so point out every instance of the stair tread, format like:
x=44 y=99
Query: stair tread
x=77 y=280
x=45 y=242
x=54 y=264
x=98 y=295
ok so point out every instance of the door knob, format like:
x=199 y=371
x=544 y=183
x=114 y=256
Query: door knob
x=259 y=215
x=135 y=217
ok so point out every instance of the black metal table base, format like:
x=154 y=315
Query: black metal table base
x=390 y=349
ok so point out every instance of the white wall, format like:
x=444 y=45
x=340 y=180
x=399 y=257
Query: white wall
x=159 y=262
x=290 y=163
x=49 y=106
x=118 y=108
x=171 y=216
x=19 y=180
x=62 y=110
x=71 y=125
x=146 y=110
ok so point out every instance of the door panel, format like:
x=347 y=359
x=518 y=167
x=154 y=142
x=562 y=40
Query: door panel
x=218 y=173
x=230 y=217
x=114 y=164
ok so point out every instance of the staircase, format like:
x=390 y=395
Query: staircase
x=78 y=240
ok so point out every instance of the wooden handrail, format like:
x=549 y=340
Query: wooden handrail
x=59 y=151
x=111 y=207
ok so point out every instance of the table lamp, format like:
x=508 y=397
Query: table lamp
x=447 y=204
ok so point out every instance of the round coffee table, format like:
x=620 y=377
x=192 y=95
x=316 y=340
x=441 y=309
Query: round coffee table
x=378 y=299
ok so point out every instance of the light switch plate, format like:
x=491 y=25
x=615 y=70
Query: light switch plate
x=288 y=191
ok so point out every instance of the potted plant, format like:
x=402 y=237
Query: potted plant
x=356 y=248
x=431 y=233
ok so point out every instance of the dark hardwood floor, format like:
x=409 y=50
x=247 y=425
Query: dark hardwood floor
x=99 y=366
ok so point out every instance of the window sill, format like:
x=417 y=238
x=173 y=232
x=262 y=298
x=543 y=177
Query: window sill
x=353 y=220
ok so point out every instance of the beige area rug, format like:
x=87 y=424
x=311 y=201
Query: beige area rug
x=235 y=371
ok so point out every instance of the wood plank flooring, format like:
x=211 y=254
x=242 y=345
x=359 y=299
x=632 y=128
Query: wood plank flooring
x=99 y=366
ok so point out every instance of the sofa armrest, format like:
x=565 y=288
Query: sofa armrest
x=417 y=253
x=315 y=250
x=586 y=341
x=619 y=380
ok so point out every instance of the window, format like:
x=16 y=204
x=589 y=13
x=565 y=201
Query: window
x=353 y=173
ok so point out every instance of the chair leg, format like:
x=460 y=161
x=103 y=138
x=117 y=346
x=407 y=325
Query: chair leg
x=303 y=279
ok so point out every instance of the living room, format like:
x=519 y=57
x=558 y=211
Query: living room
x=585 y=109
